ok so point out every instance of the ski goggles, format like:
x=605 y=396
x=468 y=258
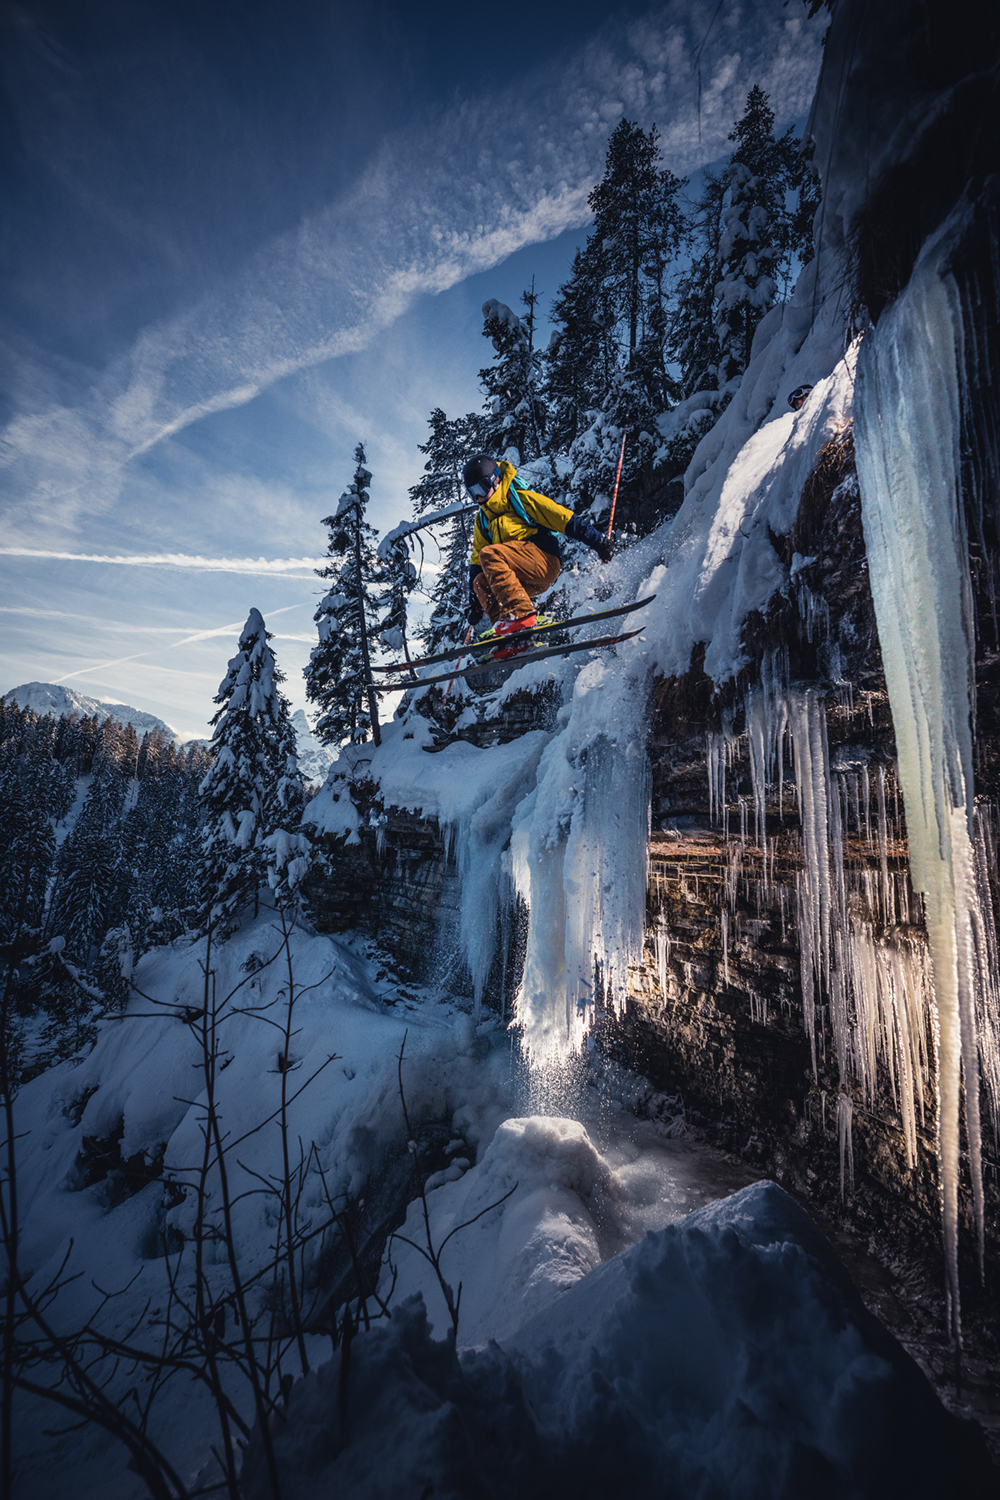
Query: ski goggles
x=480 y=490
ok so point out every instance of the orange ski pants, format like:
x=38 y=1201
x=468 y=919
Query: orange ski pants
x=514 y=574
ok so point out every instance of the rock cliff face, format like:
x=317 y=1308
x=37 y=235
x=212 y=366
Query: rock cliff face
x=786 y=993
x=734 y=1010
x=716 y=1015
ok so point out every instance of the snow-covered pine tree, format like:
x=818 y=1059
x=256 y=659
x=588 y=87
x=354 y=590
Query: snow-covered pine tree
x=515 y=415
x=693 y=341
x=337 y=677
x=87 y=875
x=755 y=253
x=622 y=287
x=639 y=228
x=251 y=792
x=397 y=577
x=115 y=962
x=27 y=848
x=450 y=444
x=803 y=176
x=452 y=440
x=287 y=849
x=582 y=356
x=35 y=793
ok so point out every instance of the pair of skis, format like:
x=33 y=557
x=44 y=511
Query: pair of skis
x=477 y=649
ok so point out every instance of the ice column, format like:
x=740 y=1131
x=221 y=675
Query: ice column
x=586 y=862
x=907 y=425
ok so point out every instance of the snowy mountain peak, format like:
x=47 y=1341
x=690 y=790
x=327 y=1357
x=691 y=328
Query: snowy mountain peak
x=314 y=759
x=51 y=698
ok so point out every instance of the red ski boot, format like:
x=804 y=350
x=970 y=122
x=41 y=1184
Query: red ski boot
x=507 y=628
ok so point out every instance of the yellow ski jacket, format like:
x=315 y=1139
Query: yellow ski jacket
x=515 y=516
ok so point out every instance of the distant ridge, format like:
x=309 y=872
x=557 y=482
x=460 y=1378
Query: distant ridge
x=50 y=698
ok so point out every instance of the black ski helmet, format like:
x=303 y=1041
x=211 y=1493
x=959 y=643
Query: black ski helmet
x=797 y=397
x=479 y=470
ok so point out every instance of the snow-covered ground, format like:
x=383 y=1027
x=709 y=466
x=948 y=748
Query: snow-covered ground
x=727 y=1337
x=725 y=1356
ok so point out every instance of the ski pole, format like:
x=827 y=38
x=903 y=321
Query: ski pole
x=468 y=636
x=614 y=498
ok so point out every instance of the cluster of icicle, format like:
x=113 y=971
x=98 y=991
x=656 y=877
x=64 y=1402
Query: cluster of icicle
x=864 y=966
x=860 y=964
x=908 y=432
x=922 y=1016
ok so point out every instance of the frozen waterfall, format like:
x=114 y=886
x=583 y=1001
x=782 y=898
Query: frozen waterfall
x=907 y=426
x=579 y=855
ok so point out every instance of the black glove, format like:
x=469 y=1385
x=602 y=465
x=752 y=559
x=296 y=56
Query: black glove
x=579 y=530
x=476 y=610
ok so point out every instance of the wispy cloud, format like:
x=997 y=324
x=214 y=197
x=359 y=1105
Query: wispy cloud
x=278 y=567
x=439 y=204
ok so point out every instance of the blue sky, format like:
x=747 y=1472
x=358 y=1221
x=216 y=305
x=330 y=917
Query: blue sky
x=241 y=237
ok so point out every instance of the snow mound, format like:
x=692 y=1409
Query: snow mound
x=50 y=698
x=562 y=1213
x=727 y=1357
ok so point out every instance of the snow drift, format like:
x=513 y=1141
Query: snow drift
x=728 y=1355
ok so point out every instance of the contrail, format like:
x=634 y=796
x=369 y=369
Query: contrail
x=279 y=567
x=188 y=640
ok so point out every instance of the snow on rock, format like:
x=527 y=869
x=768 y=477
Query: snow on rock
x=51 y=698
x=473 y=793
x=726 y=1356
x=563 y=1211
x=746 y=476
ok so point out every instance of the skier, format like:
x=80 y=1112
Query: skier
x=515 y=551
x=797 y=398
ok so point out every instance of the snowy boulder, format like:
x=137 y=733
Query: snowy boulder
x=560 y=1220
x=727 y=1357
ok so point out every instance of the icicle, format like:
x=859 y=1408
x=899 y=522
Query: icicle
x=988 y=964
x=808 y=727
x=662 y=955
x=725 y=946
x=888 y=886
x=845 y=1111
x=907 y=431
x=757 y=745
x=716 y=762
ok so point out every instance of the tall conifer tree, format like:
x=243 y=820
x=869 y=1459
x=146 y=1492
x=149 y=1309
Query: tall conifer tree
x=515 y=414
x=249 y=793
x=755 y=252
x=693 y=341
x=449 y=445
x=347 y=619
